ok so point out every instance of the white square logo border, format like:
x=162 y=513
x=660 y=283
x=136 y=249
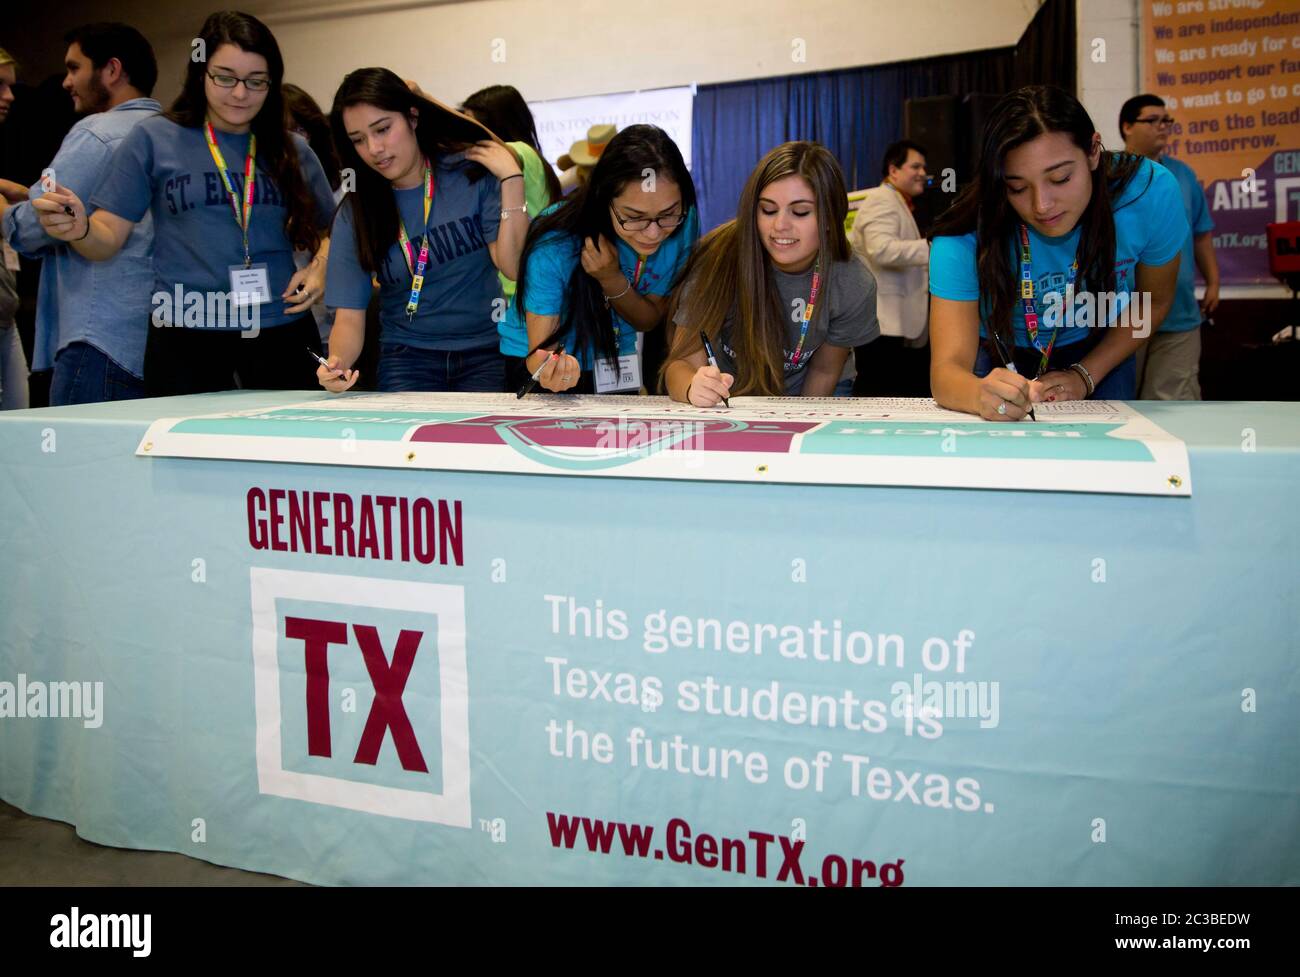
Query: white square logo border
x=447 y=601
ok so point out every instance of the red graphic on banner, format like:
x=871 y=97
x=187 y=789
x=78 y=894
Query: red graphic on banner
x=607 y=432
x=386 y=711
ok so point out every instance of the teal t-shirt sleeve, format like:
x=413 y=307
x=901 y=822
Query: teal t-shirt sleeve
x=127 y=190
x=1163 y=216
x=550 y=266
x=347 y=284
x=953 y=274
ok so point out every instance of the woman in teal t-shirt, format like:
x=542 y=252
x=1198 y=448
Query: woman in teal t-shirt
x=598 y=268
x=1059 y=256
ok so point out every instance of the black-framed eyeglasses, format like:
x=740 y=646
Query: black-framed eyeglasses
x=1160 y=122
x=667 y=223
x=230 y=81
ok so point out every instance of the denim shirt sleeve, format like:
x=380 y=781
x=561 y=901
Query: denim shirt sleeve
x=80 y=164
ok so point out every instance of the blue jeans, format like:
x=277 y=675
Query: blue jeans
x=404 y=368
x=1119 y=384
x=85 y=375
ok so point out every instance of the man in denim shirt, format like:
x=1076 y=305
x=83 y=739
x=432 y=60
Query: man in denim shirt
x=90 y=316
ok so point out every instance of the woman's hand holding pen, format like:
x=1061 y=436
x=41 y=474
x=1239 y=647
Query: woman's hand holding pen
x=709 y=387
x=1004 y=396
x=334 y=378
x=560 y=373
x=1059 y=385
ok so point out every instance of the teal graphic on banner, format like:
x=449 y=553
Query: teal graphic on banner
x=1074 y=442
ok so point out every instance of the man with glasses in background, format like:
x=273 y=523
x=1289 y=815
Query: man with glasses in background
x=1169 y=365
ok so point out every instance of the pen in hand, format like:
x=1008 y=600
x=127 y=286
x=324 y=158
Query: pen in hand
x=1009 y=364
x=531 y=382
x=713 y=360
x=325 y=363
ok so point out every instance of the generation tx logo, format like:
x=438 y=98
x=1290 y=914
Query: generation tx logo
x=362 y=693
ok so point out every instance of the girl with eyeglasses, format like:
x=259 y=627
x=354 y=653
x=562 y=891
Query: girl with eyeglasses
x=598 y=268
x=781 y=295
x=438 y=210
x=231 y=194
x=1051 y=225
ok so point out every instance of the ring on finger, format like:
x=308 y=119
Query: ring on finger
x=1002 y=407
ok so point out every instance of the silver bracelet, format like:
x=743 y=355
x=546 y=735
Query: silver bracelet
x=615 y=298
x=1082 y=370
x=505 y=214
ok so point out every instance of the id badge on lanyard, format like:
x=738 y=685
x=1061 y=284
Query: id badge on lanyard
x=625 y=377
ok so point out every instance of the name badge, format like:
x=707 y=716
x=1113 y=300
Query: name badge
x=11 y=257
x=249 y=286
x=625 y=379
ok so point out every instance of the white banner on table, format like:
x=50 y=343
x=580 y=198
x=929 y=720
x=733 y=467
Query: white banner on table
x=563 y=121
x=1084 y=446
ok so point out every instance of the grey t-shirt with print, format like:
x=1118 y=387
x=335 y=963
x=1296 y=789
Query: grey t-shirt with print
x=849 y=320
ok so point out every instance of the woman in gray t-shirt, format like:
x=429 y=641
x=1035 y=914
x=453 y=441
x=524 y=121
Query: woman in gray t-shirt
x=780 y=294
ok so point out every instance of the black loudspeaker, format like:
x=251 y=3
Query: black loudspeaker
x=975 y=110
x=951 y=131
x=932 y=122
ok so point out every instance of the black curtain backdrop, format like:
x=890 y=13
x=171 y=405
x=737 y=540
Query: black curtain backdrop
x=1048 y=50
x=857 y=112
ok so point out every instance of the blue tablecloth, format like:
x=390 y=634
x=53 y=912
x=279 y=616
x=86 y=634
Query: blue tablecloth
x=1010 y=687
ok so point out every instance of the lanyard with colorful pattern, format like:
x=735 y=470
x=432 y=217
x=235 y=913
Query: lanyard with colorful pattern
x=808 y=311
x=250 y=174
x=417 y=265
x=1027 y=298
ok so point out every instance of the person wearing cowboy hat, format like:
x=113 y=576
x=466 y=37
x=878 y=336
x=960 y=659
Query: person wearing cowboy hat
x=575 y=165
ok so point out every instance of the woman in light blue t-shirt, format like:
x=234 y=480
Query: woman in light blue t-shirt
x=598 y=268
x=1059 y=260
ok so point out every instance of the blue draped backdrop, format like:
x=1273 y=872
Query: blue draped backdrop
x=854 y=112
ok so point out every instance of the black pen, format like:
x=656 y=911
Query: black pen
x=325 y=363
x=713 y=360
x=1010 y=364
x=528 y=386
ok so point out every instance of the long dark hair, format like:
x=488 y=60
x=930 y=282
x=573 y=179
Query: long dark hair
x=307 y=116
x=586 y=214
x=503 y=110
x=731 y=270
x=983 y=207
x=439 y=132
x=275 y=150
